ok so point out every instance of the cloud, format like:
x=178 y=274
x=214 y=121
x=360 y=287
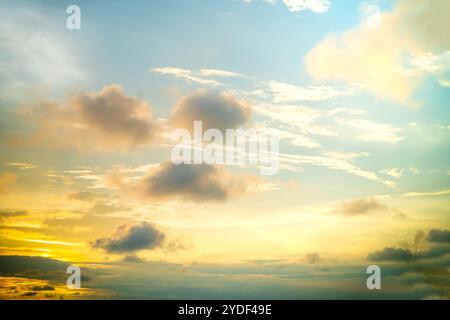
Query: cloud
x=427 y=194
x=313 y=258
x=101 y=207
x=420 y=268
x=286 y=93
x=128 y=239
x=34 y=52
x=419 y=239
x=5 y=214
x=318 y=6
x=6 y=179
x=133 y=258
x=198 y=183
x=216 y=110
x=32 y=267
x=294 y=6
x=202 y=76
x=393 y=172
x=101 y=121
x=372 y=131
x=392 y=254
x=360 y=207
x=439 y=236
x=82 y=196
x=377 y=57
x=21 y=165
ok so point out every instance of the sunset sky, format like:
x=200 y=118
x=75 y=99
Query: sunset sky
x=357 y=90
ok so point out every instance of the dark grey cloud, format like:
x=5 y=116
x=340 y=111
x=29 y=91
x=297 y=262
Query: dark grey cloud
x=216 y=110
x=196 y=182
x=199 y=183
x=439 y=236
x=438 y=240
x=32 y=267
x=143 y=236
x=426 y=268
x=392 y=254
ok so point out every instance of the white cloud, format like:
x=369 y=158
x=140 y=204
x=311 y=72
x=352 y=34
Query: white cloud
x=379 y=58
x=201 y=76
x=372 y=131
x=188 y=75
x=318 y=6
x=393 y=172
x=427 y=194
x=32 y=52
x=284 y=92
x=217 y=73
x=294 y=6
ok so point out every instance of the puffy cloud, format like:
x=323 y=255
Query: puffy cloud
x=216 y=110
x=392 y=254
x=427 y=23
x=439 y=236
x=101 y=121
x=197 y=183
x=130 y=239
x=373 y=55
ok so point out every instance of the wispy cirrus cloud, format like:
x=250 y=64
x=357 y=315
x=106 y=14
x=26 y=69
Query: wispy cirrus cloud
x=21 y=165
x=295 y=6
x=202 y=76
x=427 y=194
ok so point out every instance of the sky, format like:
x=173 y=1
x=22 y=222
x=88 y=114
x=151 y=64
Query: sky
x=358 y=92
